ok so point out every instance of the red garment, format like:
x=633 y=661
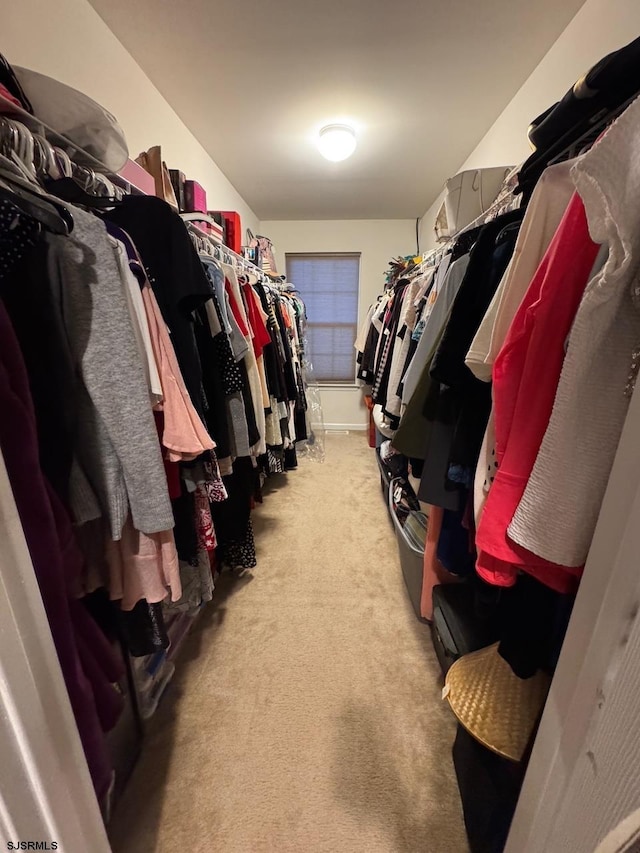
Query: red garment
x=235 y=308
x=6 y=94
x=261 y=336
x=204 y=524
x=213 y=563
x=525 y=379
x=172 y=470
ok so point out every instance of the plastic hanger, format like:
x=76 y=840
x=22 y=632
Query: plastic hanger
x=217 y=250
x=38 y=209
x=30 y=198
x=69 y=190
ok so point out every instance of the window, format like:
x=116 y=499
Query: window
x=328 y=284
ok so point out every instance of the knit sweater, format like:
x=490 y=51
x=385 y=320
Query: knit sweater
x=117 y=441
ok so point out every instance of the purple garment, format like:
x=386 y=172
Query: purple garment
x=135 y=264
x=57 y=563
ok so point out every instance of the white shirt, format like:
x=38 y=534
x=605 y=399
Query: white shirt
x=544 y=212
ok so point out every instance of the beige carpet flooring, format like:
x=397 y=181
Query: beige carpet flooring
x=305 y=714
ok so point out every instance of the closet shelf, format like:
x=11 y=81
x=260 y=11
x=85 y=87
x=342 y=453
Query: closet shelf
x=130 y=177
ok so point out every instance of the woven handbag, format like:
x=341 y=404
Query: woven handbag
x=264 y=248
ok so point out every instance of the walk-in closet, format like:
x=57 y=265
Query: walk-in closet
x=319 y=470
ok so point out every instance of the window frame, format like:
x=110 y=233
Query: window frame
x=333 y=383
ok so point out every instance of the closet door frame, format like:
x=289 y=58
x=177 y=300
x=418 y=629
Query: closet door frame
x=46 y=793
x=584 y=775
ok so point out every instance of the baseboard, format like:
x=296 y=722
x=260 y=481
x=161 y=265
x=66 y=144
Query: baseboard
x=352 y=427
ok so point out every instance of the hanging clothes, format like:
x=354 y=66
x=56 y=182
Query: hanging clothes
x=175 y=274
x=126 y=361
x=406 y=324
x=525 y=378
x=58 y=567
x=117 y=439
x=541 y=220
x=567 y=483
x=462 y=401
x=410 y=437
x=183 y=434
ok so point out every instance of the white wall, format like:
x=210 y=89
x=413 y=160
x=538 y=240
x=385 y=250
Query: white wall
x=69 y=41
x=378 y=241
x=600 y=27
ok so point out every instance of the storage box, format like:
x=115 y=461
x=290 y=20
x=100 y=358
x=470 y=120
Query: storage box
x=152 y=693
x=388 y=472
x=212 y=230
x=195 y=198
x=219 y=218
x=230 y=221
x=178 y=180
x=385 y=478
x=138 y=177
x=467 y=195
x=233 y=226
x=411 y=556
x=458 y=628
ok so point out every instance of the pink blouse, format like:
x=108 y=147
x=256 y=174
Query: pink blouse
x=184 y=436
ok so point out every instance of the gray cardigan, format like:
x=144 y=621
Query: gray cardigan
x=117 y=442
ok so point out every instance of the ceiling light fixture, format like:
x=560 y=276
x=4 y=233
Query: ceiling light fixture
x=337 y=142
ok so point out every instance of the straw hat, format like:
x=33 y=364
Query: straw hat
x=495 y=706
x=625 y=838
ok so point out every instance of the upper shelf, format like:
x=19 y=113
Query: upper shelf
x=131 y=176
x=36 y=125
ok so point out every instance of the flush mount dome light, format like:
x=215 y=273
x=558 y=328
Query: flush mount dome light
x=337 y=142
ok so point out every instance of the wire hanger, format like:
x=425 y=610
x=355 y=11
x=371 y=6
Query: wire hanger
x=212 y=247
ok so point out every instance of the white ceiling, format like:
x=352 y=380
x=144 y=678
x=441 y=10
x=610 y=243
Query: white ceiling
x=420 y=80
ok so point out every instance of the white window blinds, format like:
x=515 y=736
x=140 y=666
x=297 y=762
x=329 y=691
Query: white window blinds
x=328 y=284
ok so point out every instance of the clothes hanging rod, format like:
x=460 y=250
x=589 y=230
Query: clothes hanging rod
x=201 y=217
x=193 y=218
